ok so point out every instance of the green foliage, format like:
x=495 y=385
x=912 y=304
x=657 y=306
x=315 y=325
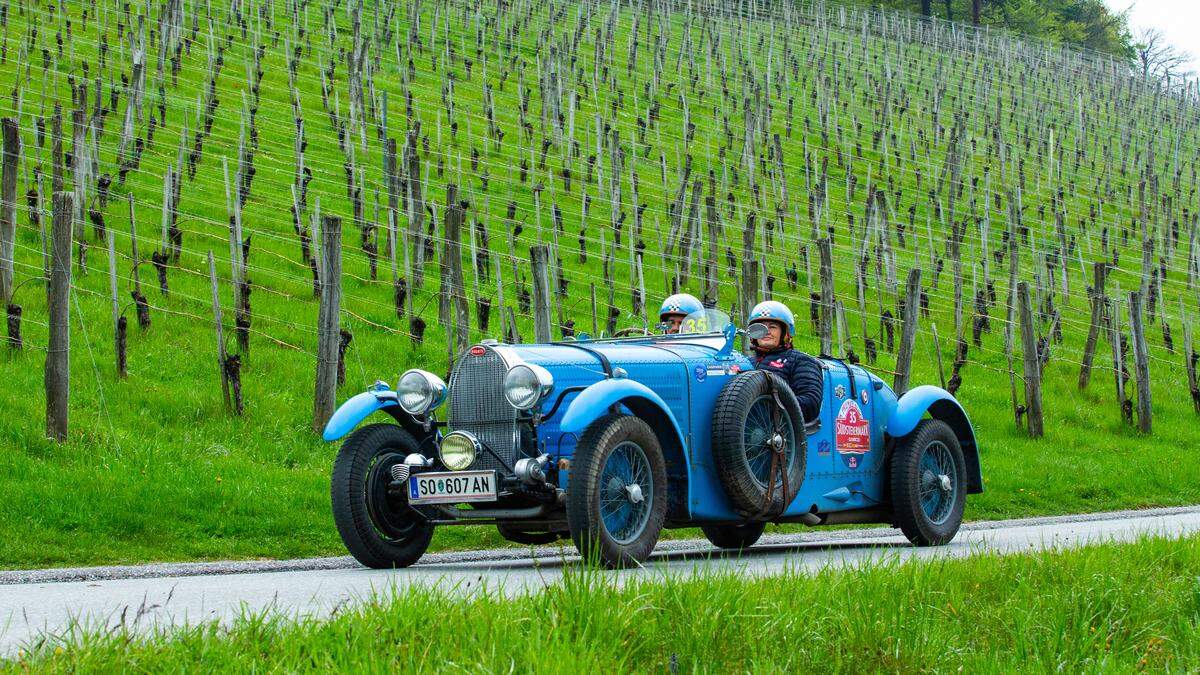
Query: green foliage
x=1108 y=608
x=1087 y=24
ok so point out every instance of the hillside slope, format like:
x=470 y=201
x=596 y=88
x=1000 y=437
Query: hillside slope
x=716 y=136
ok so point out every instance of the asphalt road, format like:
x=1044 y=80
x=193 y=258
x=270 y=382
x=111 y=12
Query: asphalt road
x=35 y=604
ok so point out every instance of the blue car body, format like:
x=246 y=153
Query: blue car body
x=673 y=383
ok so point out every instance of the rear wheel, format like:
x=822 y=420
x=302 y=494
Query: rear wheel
x=375 y=521
x=929 y=484
x=617 y=496
x=733 y=536
x=516 y=535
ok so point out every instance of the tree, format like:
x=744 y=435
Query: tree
x=1089 y=24
x=1159 y=58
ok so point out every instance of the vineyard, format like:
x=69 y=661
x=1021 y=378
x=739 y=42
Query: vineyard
x=217 y=173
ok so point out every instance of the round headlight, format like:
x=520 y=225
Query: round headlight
x=526 y=384
x=420 y=391
x=458 y=450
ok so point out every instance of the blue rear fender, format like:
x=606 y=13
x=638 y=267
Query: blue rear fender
x=594 y=402
x=941 y=405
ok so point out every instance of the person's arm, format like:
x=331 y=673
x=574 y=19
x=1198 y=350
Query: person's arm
x=808 y=382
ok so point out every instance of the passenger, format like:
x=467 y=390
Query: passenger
x=675 y=308
x=774 y=352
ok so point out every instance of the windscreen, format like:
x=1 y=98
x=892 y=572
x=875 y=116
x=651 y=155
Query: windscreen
x=704 y=321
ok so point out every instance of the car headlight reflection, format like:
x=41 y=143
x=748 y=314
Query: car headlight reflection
x=526 y=384
x=420 y=391
x=458 y=450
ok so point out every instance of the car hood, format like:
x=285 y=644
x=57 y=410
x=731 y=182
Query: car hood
x=587 y=355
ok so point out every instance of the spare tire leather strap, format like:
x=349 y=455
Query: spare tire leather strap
x=778 y=459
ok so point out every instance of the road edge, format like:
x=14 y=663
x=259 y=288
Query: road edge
x=222 y=567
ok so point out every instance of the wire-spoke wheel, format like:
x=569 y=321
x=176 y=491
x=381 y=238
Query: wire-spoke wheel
x=756 y=417
x=617 y=492
x=928 y=484
x=626 y=492
x=938 y=482
x=767 y=426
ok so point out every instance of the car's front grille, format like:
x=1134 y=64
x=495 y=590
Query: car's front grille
x=477 y=405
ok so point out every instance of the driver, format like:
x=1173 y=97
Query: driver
x=774 y=352
x=675 y=308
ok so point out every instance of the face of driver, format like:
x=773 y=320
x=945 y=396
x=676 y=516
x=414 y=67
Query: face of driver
x=672 y=321
x=774 y=337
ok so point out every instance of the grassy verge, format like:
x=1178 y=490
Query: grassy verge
x=1111 y=607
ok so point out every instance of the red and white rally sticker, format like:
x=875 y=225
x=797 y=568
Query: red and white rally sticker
x=852 y=432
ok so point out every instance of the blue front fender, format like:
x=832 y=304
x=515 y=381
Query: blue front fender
x=593 y=402
x=356 y=410
x=941 y=405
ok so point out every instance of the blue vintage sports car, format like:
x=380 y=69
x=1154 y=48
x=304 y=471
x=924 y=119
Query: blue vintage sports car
x=608 y=441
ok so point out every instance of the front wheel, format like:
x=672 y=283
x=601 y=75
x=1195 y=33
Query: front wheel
x=375 y=521
x=617 y=496
x=929 y=484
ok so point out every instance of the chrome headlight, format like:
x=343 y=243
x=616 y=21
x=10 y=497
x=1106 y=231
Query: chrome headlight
x=420 y=391
x=458 y=450
x=526 y=384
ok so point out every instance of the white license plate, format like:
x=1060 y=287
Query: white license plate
x=452 y=487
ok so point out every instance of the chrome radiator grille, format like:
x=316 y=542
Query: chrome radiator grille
x=477 y=405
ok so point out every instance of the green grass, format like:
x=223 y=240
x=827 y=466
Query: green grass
x=1107 y=608
x=157 y=470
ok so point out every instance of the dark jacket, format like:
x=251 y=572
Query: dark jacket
x=803 y=374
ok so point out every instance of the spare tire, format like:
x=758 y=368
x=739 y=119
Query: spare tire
x=743 y=427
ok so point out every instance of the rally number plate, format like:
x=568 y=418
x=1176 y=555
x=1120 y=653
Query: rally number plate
x=452 y=487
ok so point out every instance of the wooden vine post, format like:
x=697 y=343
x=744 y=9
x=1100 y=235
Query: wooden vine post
x=1141 y=363
x=454 y=282
x=8 y=210
x=1117 y=340
x=58 y=355
x=908 y=331
x=540 y=257
x=1189 y=362
x=1032 y=364
x=119 y=324
x=827 y=298
x=221 y=356
x=328 y=333
x=1096 y=295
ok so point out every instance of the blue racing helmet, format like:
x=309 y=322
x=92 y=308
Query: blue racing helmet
x=681 y=303
x=773 y=310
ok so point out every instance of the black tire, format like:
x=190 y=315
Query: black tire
x=379 y=529
x=733 y=536
x=532 y=538
x=588 y=492
x=737 y=452
x=935 y=520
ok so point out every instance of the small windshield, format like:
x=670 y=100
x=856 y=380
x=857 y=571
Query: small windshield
x=704 y=321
